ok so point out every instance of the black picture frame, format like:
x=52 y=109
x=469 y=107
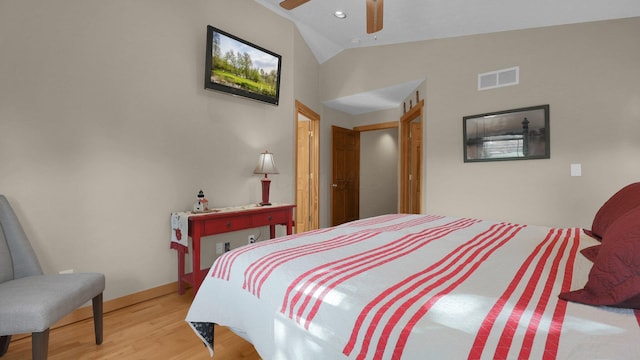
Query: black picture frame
x=516 y=134
x=238 y=67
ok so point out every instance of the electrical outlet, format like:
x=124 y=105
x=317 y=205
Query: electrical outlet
x=227 y=246
x=219 y=248
x=251 y=239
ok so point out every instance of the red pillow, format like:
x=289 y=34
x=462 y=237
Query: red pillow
x=622 y=201
x=591 y=252
x=614 y=279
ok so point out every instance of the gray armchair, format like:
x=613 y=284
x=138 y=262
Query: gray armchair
x=31 y=302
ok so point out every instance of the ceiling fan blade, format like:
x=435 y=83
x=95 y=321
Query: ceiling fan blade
x=292 y=4
x=374 y=15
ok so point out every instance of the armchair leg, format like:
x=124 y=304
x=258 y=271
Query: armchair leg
x=4 y=344
x=97 y=317
x=39 y=345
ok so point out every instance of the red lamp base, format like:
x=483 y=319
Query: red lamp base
x=266 y=182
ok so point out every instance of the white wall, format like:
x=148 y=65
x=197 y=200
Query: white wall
x=105 y=127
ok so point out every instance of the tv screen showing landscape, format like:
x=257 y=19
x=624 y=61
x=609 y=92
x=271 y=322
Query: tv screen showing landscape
x=238 y=67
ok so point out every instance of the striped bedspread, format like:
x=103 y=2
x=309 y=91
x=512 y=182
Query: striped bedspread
x=414 y=287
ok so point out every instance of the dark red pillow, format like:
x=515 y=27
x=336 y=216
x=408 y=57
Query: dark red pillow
x=614 y=279
x=591 y=252
x=622 y=201
x=590 y=233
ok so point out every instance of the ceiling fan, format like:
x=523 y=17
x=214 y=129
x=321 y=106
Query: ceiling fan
x=374 y=12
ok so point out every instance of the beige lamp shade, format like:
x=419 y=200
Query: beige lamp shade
x=266 y=164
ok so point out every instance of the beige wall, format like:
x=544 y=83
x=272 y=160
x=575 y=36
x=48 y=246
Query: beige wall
x=105 y=127
x=305 y=75
x=379 y=172
x=589 y=75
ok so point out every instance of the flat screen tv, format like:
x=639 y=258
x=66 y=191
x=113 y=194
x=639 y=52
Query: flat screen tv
x=238 y=67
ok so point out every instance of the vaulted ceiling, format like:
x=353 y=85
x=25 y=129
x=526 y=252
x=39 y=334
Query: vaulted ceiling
x=415 y=20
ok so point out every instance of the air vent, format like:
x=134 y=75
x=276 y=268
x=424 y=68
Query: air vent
x=499 y=78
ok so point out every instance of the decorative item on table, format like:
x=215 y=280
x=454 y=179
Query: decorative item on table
x=180 y=231
x=266 y=165
x=201 y=204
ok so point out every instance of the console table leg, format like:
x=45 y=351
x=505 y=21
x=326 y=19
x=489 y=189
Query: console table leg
x=195 y=256
x=181 y=256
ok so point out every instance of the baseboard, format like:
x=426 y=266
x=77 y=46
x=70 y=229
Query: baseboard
x=86 y=312
x=118 y=303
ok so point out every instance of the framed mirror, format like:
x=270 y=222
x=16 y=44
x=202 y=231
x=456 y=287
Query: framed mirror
x=517 y=134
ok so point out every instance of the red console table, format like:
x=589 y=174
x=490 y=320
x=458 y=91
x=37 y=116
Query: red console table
x=223 y=221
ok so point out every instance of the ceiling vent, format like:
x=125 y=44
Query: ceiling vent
x=499 y=78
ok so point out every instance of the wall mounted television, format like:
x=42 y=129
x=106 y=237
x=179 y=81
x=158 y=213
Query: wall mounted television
x=238 y=67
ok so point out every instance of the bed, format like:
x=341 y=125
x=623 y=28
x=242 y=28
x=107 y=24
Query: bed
x=405 y=286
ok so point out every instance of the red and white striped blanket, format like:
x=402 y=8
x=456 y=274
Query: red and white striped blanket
x=414 y=287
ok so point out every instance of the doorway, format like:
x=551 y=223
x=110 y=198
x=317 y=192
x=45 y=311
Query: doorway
x=379 y=168
x=346 y=179
x=307 y=214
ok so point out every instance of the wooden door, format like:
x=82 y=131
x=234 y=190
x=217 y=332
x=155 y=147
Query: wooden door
x=307 y=168
x=345 y=175
x=411 y=159
x=303 y=186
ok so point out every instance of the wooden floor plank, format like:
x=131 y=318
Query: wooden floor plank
x=154 y=329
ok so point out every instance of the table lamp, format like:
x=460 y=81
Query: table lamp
x=266 y=165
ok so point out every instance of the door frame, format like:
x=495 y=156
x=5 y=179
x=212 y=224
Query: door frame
x=314 y=166
x=415 y=112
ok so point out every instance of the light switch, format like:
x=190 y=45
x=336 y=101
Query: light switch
x=576 y=169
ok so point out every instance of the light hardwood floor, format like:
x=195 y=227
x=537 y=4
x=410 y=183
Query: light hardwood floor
x=154 y=329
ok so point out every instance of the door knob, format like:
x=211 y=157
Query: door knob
x=334 y=185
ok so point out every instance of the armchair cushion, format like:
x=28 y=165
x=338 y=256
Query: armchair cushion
x=34 y=303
